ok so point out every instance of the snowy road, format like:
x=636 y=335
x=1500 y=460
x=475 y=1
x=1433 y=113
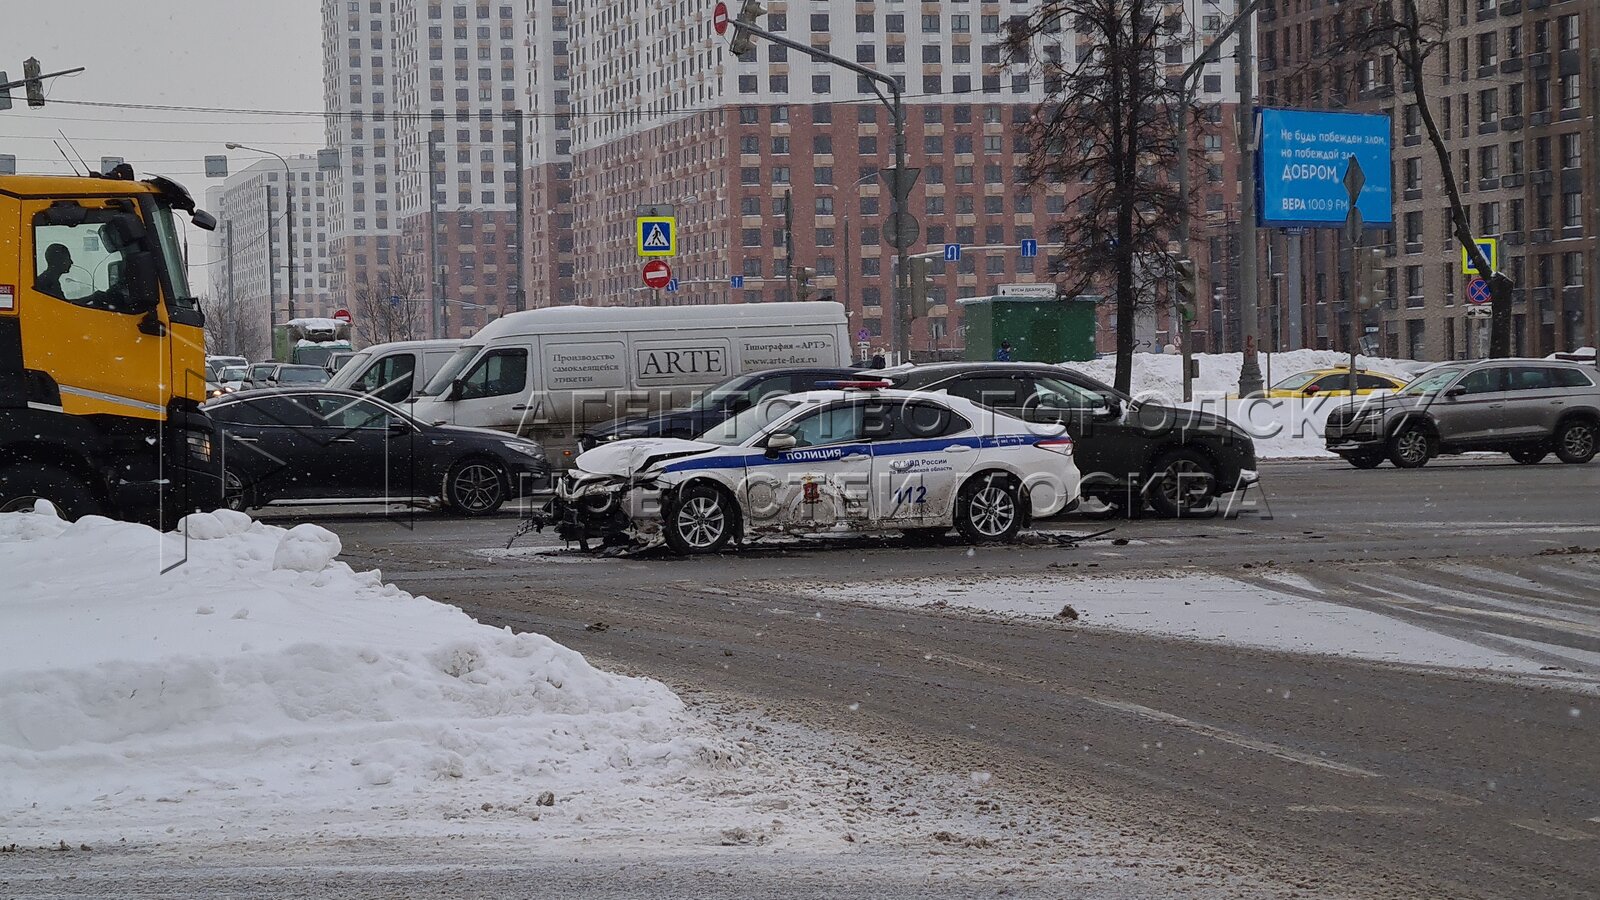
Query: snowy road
x=1346 y=775
x=1380 y=684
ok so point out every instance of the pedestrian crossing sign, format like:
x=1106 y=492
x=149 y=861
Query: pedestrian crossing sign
x=656 y=235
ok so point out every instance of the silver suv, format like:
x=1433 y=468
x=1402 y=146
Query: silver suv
x=1525 y=407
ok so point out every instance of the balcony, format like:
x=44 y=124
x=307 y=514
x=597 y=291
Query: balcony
x=1509 y=66
x=1511 y=181
x=1510 y=7
x=1538 y=60
x=1489 y=127
x=1511 y=123
x=1488 y=183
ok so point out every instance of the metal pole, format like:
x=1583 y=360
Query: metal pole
x=1249 y=371
x=844 y=282
x=272 y=281
x=788 y=244
x=1594 y=199
x=519 y=296
x=902 y=275
x=289 y=216
x=1296 y=293
x=434 y=287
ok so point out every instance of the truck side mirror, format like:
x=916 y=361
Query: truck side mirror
x=456 y=389
x=143 y=282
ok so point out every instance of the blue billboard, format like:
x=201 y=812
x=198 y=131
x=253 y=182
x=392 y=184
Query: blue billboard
x=1302 y=163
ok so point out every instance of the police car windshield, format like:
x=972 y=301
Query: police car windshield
x=748 y=424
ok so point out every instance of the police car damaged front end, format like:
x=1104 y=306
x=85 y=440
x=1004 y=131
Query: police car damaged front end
x=614 y=493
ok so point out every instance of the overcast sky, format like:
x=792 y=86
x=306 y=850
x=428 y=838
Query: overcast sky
x=235 y=54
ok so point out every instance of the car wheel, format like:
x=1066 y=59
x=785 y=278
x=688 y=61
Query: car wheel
x=475 y=487
x=1182 y=482
x=1575 y=441
x=1410 y=447
x=989 y=509
x=234 y=494
x=1365 y=460
x=1529 y=455
x=24 y=484
x=701 y=521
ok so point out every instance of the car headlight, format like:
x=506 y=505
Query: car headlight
x=533 y=450
x=199 y=445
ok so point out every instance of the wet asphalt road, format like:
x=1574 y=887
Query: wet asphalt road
x=1345 y=777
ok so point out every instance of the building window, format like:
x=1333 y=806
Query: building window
x=1571 y=150
x=1572 y=209
x=1569 y=92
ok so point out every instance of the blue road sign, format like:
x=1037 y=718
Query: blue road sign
x=1030 y=249
x=1478 y=291
x=736 y=281
x=672 y=286
x=394 y=300
x=952 y=252
x=1302 y=164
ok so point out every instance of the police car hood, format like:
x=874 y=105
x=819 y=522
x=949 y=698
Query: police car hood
x=630 y=457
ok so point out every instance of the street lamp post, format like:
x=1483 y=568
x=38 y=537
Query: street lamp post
x=288 y=190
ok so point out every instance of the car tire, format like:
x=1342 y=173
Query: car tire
x=235 y=495
x=701 y=520
x=1410 y=447
x=1171 y=471
x=989 y=509
x=1529 y=455
x=1365 y=460
x=1575 y=441
x=475 y=487
x=23 y=484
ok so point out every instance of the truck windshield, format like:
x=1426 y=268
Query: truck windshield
x=452 y=368
x=172 y=259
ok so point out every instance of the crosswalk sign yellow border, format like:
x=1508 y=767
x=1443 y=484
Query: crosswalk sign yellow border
x=1490 y=248
x=649 y=232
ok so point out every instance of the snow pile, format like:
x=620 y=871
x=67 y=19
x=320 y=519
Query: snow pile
x=1281 y=427
x=1161 y=374
x=261 y=683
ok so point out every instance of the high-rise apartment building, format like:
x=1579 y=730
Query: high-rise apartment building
x=551 y=263
x=251 y=243
x=1508 y=88
x=425 y=101
x=665 y=116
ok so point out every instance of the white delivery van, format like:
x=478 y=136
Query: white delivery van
x=548 y=373
x=394 y=372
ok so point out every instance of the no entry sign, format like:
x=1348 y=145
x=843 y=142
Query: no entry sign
x=719 y=18
x=657 y=274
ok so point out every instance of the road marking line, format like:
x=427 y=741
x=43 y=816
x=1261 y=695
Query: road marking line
x=1367 y=809
x=1553 y=831
x=1541 y=621
x=1444 y=797
x=1238 y=740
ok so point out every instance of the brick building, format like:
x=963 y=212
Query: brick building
x=1507 y=87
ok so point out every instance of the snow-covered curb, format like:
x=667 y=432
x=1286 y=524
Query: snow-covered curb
x=263 y=684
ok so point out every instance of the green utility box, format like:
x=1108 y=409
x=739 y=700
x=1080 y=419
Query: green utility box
x=1039 y=330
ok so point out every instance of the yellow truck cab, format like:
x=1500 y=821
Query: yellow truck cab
x=102 y=351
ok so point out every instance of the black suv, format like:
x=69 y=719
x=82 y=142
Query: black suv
x=1178 y=460
x=727 y=399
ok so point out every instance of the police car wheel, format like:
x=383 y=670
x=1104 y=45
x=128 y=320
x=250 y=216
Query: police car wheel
x=701 y=521
x=989 y=509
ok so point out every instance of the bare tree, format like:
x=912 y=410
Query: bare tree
x=1106 y=129
x=236 y=327
x=1412 y=30
x=392 y=309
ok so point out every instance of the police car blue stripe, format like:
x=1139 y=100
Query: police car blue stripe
x=838 y=453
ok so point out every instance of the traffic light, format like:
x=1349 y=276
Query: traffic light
x=921 y=282
x=802 y=277
x=1374 y=283
x=34 y=84
x=5 y=90
x=1187 y=287
x=742 y=43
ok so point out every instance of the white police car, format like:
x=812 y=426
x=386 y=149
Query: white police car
x=852 y=459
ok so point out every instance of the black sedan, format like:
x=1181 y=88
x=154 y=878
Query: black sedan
x=727 y=399
x=320 y=443
x=1177 y=460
